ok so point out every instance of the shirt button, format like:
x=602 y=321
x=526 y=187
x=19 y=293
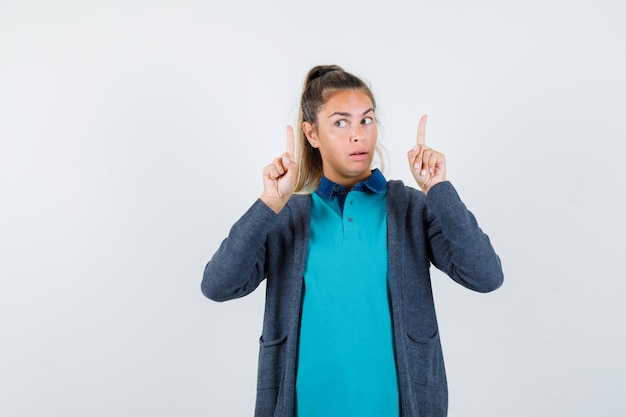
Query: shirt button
x=350 y=219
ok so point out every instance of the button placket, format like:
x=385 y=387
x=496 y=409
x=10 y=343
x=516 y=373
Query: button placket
x=348 y=214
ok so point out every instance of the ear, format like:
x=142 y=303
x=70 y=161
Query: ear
x=311 y=134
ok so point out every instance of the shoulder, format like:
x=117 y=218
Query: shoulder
x=397 y=190
x=404 y=202
x=298 y=205
x=299 y=201
x=444 y=190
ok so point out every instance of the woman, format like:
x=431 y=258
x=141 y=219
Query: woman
x=350 y=326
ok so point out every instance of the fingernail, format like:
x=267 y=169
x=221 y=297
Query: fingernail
x=423 y=172
x=286 y=161
x=414 y=148
x=431 y=170
x=416 y=166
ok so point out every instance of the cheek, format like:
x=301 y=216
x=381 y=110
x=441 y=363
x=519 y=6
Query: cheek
x=334 y=138
x=374 y=136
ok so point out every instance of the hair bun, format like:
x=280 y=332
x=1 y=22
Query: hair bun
x=322 y=71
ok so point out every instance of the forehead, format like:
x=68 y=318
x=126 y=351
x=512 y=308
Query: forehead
x=347 y=101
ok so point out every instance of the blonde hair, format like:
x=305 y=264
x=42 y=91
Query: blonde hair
x=319 y=84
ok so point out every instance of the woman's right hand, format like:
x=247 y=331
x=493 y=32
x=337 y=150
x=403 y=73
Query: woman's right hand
x=279 y=177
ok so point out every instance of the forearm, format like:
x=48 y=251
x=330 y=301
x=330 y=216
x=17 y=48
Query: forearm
x=236 y=268
x=459 y=247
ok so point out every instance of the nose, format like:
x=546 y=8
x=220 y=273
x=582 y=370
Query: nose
x=356 y=133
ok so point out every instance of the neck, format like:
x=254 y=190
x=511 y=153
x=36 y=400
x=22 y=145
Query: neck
x=348 y=182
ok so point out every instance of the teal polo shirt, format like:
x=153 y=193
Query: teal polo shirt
x=346 y=363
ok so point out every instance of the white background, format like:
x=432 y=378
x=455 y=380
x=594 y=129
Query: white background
x=133 y=134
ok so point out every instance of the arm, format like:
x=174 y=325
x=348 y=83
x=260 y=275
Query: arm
x=458 y=246
x=237 y=267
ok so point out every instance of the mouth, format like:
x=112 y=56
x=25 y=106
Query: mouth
x=359 y=155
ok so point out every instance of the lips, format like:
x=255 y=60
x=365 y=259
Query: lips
x=359 y=155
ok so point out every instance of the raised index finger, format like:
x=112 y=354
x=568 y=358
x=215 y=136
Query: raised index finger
x=421 y=130
x=291 y=143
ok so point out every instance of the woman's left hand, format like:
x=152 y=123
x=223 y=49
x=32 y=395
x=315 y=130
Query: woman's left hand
x=427 y=165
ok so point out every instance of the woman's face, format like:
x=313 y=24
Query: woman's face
x=346 y=135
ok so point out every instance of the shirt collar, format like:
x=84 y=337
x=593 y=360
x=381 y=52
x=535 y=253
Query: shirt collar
x=375 y=183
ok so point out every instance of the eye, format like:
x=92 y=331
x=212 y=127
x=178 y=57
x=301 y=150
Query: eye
x=367 y=121
x=341 y=123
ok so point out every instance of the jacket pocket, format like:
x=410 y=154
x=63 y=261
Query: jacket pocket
x=426 y=359
x=271 y=362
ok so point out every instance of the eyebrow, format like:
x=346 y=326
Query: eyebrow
x=345 y=114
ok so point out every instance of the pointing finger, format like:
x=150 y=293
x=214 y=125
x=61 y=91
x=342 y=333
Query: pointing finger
x=421 y=130
x=291 y=143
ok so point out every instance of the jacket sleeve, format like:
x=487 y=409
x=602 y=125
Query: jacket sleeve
x=237 y=267
x=458 y=245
